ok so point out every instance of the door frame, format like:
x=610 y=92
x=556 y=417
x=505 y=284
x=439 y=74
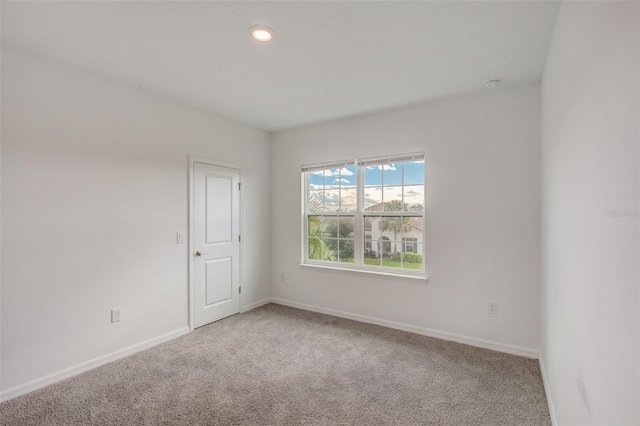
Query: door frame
x=215 y=163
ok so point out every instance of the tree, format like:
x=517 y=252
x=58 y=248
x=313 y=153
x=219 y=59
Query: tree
x=341 y=228
x=318 y=249
x=395 y=223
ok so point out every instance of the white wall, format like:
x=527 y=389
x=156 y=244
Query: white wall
x=94 y=190
x=482 y=207
x=590 y=115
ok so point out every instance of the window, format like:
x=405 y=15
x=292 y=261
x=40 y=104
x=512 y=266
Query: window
x=408 y=245
x=366 y=214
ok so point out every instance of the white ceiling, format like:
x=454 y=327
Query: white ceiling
x=328 y=60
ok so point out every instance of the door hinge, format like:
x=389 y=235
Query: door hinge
x=239 y=289
x=239 y=238
x=239 y=185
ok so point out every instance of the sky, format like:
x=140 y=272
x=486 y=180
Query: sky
x=337 y=186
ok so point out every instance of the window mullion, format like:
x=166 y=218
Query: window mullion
x=358 y=237
x=399 y=213
x=305 y=218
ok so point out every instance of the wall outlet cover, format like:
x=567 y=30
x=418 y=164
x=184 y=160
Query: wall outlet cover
x=116 y=315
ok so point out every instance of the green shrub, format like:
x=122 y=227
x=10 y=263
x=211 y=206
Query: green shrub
x=412 y=257
x=370 y=254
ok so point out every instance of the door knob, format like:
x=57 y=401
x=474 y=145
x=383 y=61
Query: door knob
x=198 y=253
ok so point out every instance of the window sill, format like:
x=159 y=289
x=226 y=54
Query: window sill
x=417 y=278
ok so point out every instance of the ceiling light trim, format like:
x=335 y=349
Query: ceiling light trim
x=262 y=33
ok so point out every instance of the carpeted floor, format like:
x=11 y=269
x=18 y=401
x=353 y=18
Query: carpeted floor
x=282 y=366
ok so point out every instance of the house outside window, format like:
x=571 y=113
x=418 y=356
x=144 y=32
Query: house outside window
x=365 y=214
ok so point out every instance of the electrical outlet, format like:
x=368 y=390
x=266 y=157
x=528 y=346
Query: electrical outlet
x=282 y=276
x=116 y=315
x=492 y=308
x=179 y=238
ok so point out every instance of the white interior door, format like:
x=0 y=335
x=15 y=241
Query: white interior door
x=216 y=242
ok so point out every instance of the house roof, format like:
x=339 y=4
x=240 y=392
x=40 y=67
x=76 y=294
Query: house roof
x=416 y=222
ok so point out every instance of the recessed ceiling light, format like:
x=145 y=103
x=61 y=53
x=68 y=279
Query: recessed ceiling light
x=261 y=32
x=491 y=83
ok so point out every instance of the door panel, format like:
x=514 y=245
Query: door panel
x=216 y=231
x=218 y=281
x=219 y=214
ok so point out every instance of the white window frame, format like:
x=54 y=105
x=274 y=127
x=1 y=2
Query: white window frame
x=358 y=215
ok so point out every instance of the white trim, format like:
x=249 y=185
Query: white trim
x=359 y=214
x=547 y=390
x=327 y=165
x=400 y=158
x=89 y=365
x=304 y=252
x=472 y=341
x=358 y=224
x=192 y=161
x=257 y=304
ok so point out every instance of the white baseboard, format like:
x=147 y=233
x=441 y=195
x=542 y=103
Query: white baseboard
x=547 y=390
x=256 y=304
x=480 y=343
x=88 y=365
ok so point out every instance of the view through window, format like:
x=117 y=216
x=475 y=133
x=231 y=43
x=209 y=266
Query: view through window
x=366 y=214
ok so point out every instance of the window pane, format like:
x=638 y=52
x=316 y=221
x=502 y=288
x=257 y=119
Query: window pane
x=345 y=251
x=413 y=232
x=373 y=176
x=329 y=249
x=381 y=233
x=314 y=228
x=371 y=227
x=316 y=201
x=373 y=198
x=371 y=253
x=414 y=197
x=333 y=183
x=368 y=222
x=395 y=259
x=346 y=227
x=316 y=179
x=414 y=173
x=315 y=249
x=392 y=174
x=348 y=176
x=369 y=249
x=329 y=227
x=413 y=260
x=332 y=244
x=331 y=200
x=348 y=199
x=393 y=199
x=392 y=227
x=384 y=247
x=330 y=175
x=336 y=181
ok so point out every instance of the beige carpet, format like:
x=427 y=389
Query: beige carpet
x=281 y=366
